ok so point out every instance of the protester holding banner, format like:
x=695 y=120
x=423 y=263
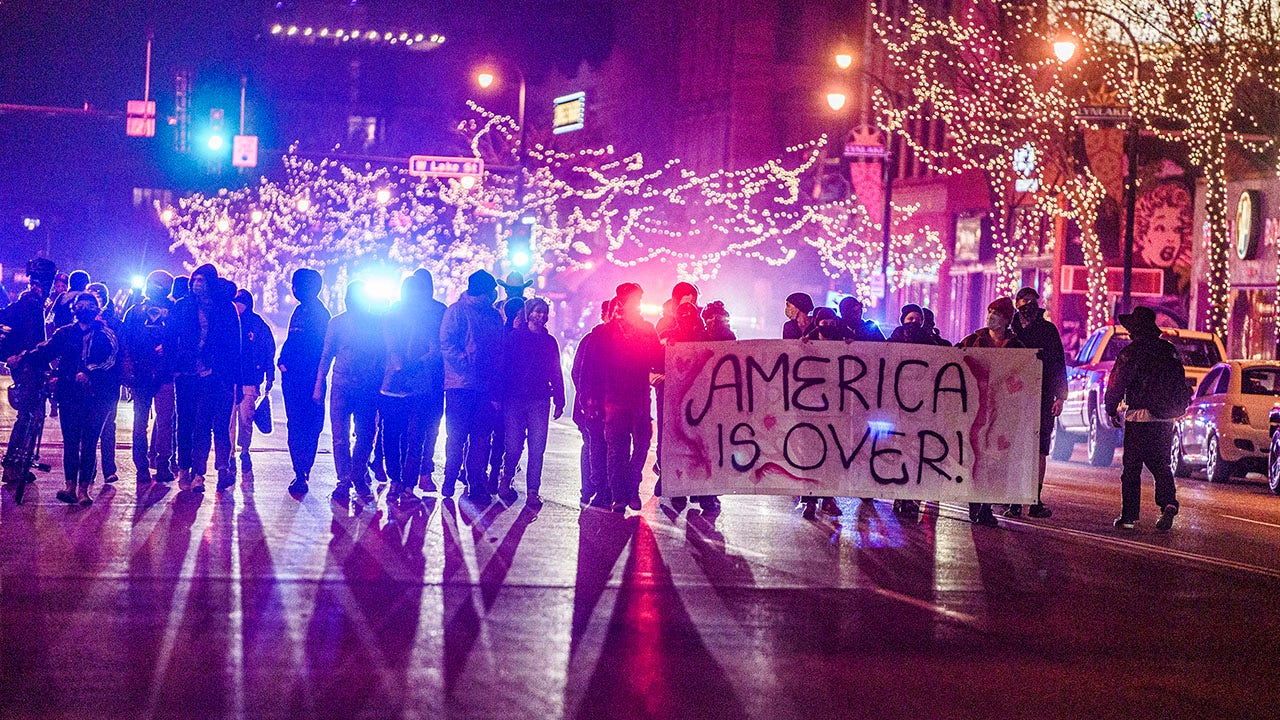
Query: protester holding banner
x=588 y=414
x=996 y=334
x=855 y=326
x=930 y=325
x=797 y=309
x=913 y=331
x=717 y=319
x=688 y=327
x=826 y=326
x=1037 y=333
x=682 y=294
x=629 y=353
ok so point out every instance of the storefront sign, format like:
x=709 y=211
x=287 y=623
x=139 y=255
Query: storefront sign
x=1248 y=225
x=778 y=417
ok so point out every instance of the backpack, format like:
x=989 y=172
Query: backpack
x=1167 y=391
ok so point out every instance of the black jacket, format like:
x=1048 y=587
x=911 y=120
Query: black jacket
x=214 y=349
x=1131 y=369
x=300 y=355
x=1042 y=335
x=145 y=345
x=864 y=330
x=531 y=367
x=73 y=350
x=628 y=350
x=25 y=320
x=257 y=350
x=415 y=365
x=915 y=334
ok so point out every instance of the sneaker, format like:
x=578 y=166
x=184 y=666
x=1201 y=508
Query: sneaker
x=634 y=503
x=426 y=484
x=986 y=518
x=830 y=507
x=906 y=507
x=298 y=487
x=1165 y=523
x=1015 y=511
x=226 y=480
x=67 y=496
x=197 y=484
x=810 y=510
x=110 y=478
x=619 y=508
x=1123 y=523
x=1039 y=511
x=710 y=504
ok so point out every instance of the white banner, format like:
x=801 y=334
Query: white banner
x=883 y=420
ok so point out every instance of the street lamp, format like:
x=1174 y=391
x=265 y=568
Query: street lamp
x=1065 y=48
x=486 y=78
x=836 y=100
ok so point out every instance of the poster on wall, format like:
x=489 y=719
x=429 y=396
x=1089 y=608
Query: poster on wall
x=778 y=417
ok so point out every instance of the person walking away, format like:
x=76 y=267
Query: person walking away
x=996 y=334
x=797 y=309
x=22 y=327
x=356 y=348
x=147 y=370
x=257 y=374
x=630 y=353
x=299 y=362
x=856 y=327
x=206 y=333
x=107 y=440
x=83 y=355
x=1037 y=333
x=1149 y=378
x=534 y=384
x=588 y=414
x=471 y=342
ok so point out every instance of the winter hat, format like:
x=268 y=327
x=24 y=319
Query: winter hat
x=847 y=305
x=627 y=289
x=802 y=301
x=907 y=310
x=684 y=288
x=511 y=308
x=1027 y=293
x=182 y=287
x=244 y=297
x=161 y=280
x=1002 y=306
x=715 y=309
x=481 y=282
x=824 y=313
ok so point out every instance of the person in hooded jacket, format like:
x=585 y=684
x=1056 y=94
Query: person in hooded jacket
x=22 y=327
x=533 y=384
x=147 y=370
x=355 y=345
x=716 y=318
x=299 y=362
x=912 y=330
x=1037 y=333
x=629 y=355
x=588 y=415
x=206 y=335
x=996 y=334
x=930 y=325
x=257 y=366
x=797 y=308
x=83 y=355
x=107 y=440
x=1148 y=437
x=471 y=342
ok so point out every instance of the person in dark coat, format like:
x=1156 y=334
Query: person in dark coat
x=257 y=373
x=77 y=282
x=533 y=384
x=107 y=440
x=147 y=370
x=83 y=355
x=911 y=330
x=930 y=325
x=413 y=388
x=299 y=362
x=716 y=318
x=356 y=346
x=686 y=326
x=683 y=292
x=1148 y=438
x=206 y=335
x=1037 y=333
x=855 y=326
x=995 y=335
x=588 y=414
x=629 y=354
x=471 y=342
x=797 y=309
x=512 y=320
x=826 y=326
x=22 y=327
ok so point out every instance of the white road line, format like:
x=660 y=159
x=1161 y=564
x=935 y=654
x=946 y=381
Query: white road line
x=1255 y=522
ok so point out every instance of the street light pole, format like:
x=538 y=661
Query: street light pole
x=520 y=151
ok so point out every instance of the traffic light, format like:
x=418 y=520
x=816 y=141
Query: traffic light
x=520 y=244
x=215 y=140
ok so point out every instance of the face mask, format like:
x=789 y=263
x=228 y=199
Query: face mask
x=996 y=323
x=86 y=315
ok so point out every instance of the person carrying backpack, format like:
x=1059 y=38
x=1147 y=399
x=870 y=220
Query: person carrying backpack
x=1149 y=378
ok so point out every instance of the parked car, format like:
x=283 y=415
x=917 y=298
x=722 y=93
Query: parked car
x=1227 y=428
x=1084 y=416
x=1273 y=456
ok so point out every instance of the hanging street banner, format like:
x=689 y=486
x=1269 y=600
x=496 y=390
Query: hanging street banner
x=828 y=418
x=569 y=113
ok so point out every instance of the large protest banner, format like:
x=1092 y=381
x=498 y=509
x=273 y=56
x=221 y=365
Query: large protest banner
x=884 y=420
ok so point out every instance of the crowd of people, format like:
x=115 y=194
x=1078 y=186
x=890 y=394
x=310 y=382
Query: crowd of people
x=199 y=365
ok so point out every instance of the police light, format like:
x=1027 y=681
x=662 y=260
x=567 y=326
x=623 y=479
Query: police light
x=521 y=260
x=138 y=282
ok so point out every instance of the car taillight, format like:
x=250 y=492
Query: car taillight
x=1239 y=415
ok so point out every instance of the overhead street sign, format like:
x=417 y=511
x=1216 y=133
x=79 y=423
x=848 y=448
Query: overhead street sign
x=1104 y=113
x=865 y=141
x=570 y=112
x=445 y=167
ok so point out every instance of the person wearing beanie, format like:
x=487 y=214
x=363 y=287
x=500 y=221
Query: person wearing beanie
x=257 y=366
x=533 y=387
x=717 y=319
x=206 y=356
x=146 y=369
x=1038 y=333
x=683 y=292
x=797 y=309
x=856 y=327
x=930 y=325
x=996 y=334
x=299 y=362
x=471 y=342
x=107 y=438
x=911 y=330
x=356 y=347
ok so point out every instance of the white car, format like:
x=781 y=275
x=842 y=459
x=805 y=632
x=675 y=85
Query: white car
x=1227 y=428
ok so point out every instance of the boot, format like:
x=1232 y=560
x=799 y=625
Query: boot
x=68 y=495
x=82 y=494
x=504 y=490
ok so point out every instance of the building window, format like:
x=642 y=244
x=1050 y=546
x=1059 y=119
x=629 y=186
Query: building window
x=364 y=131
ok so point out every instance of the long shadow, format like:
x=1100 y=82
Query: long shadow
x=602 y=536
x=396 y=621
x=730 y=575
x=148 y=495
x=495 y=570
x=897 y=555
x=461 y=618
x=654 y=663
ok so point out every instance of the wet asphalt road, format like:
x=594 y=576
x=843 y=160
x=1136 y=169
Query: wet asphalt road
x=155 y=603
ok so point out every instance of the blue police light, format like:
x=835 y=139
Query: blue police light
x=138 y=282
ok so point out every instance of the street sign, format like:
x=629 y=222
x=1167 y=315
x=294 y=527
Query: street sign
x=865 y=142
x=244 y=151
x=446 y=167
x=569 y=114
x=1104 y=113
x=140 y=118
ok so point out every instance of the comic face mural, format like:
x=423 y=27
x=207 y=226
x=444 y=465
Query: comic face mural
x=1162 y=228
